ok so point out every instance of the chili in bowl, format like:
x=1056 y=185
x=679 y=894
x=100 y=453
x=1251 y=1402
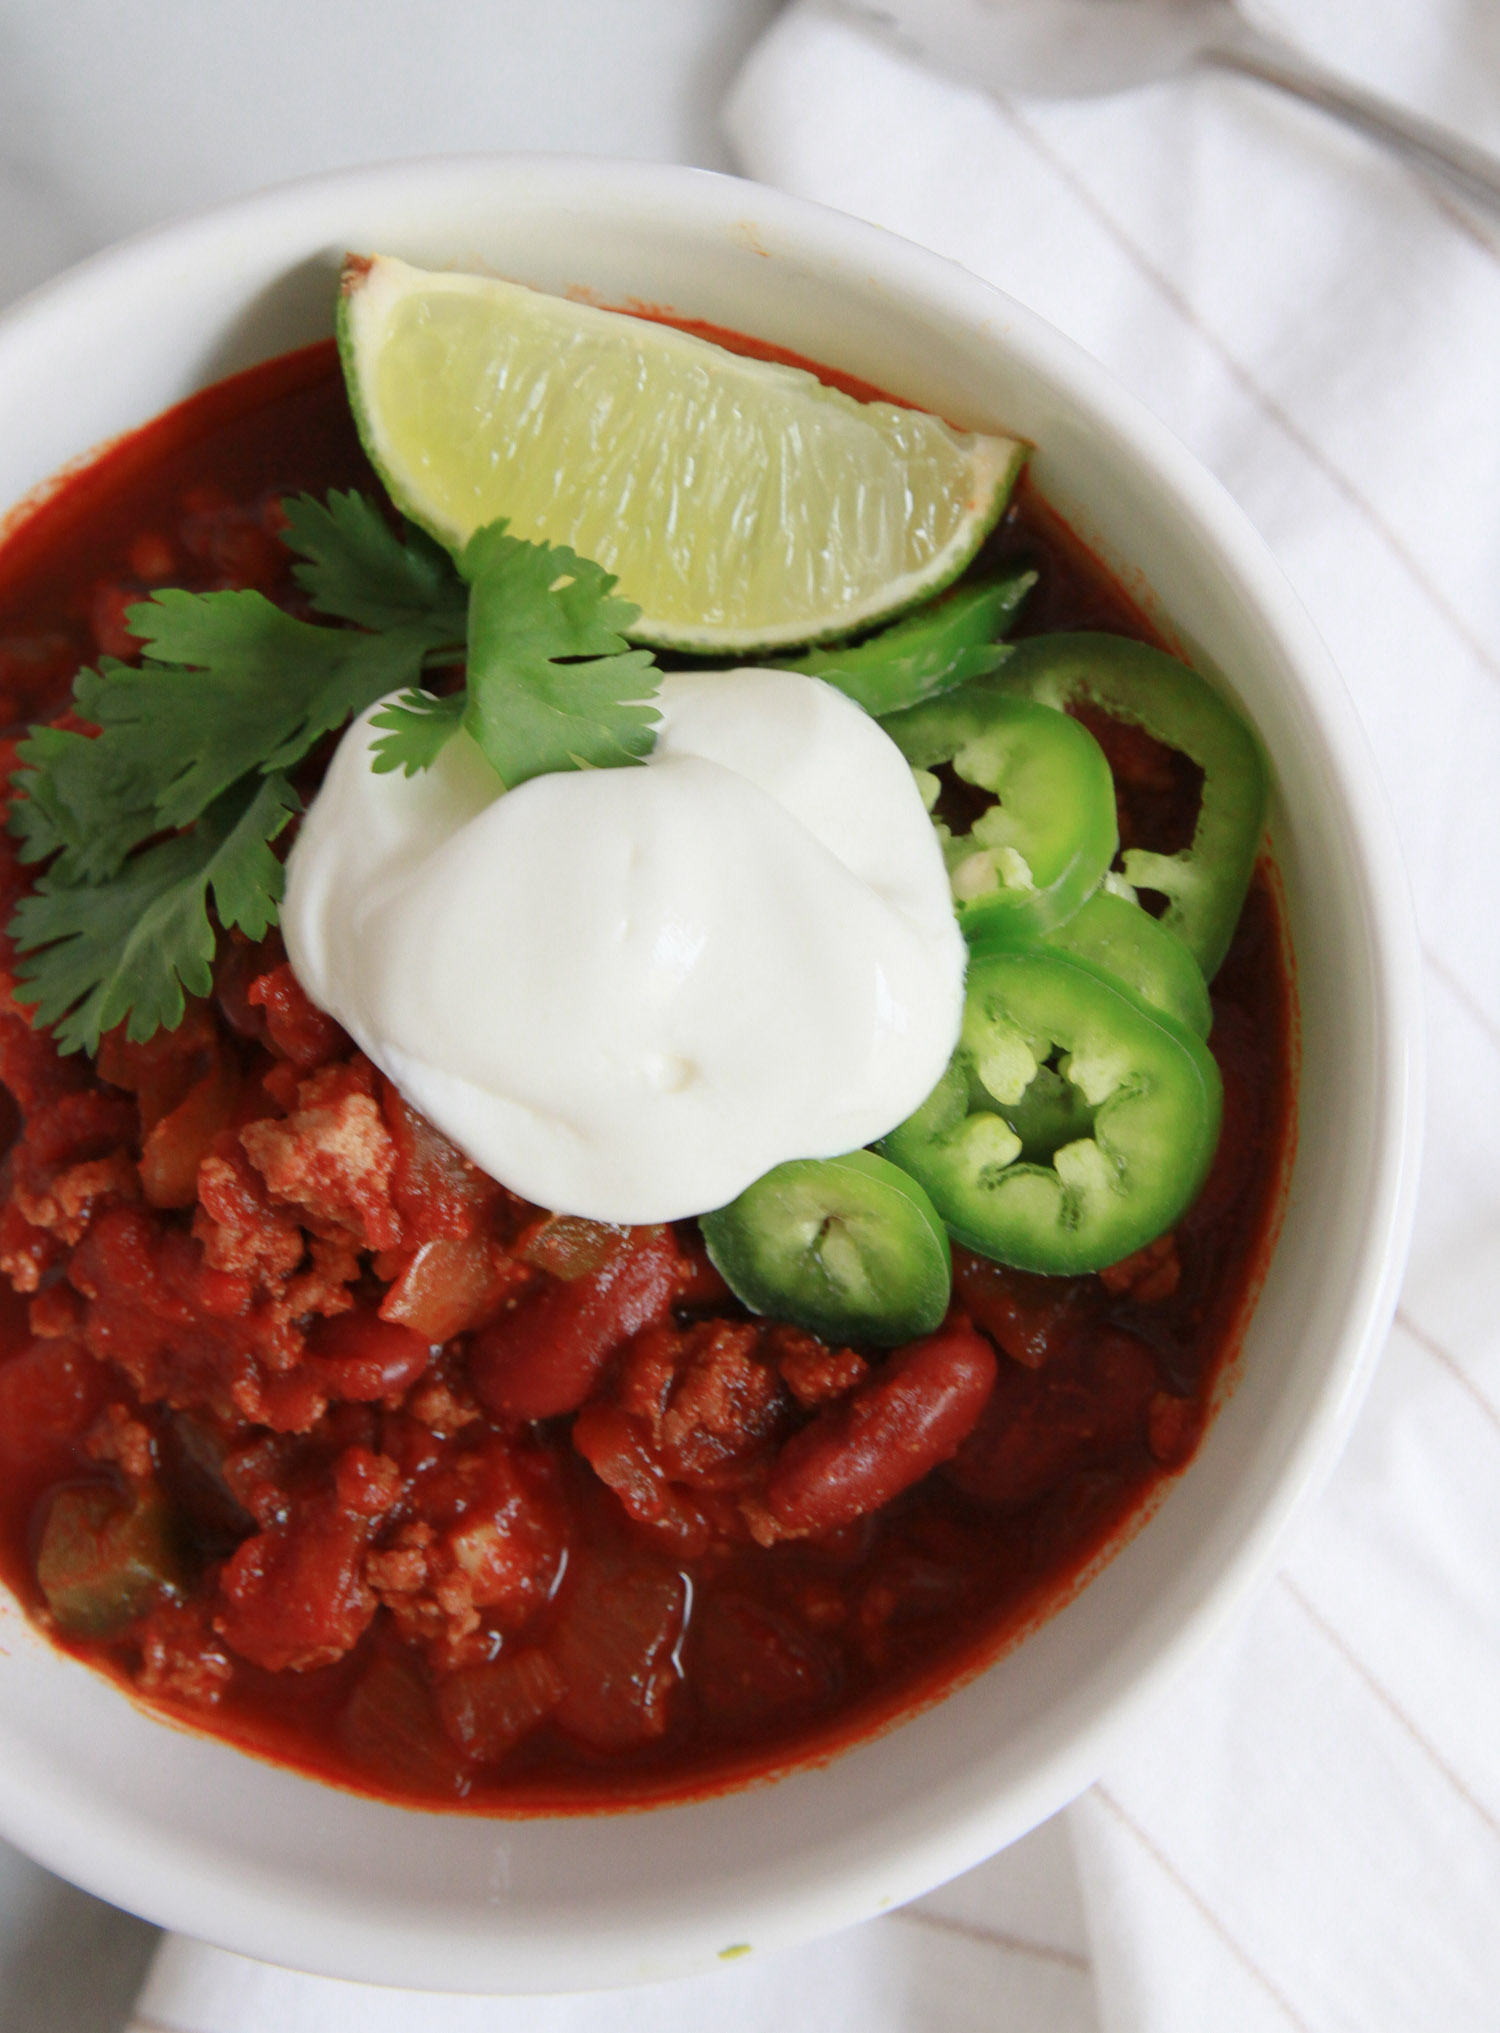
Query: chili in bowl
x=476 y=1520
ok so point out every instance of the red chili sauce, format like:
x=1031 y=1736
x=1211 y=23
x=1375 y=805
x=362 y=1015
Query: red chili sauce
x=241 y=1274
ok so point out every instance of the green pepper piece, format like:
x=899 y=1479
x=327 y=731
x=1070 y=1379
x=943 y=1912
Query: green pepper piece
x=942 y=645
x=1072 y=1171
x=1205 y=883
x=1115 y=935
x=105 y=1558
x=1029 y=861
x=850 y=1247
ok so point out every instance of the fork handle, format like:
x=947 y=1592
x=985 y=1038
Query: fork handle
x=1469 y=169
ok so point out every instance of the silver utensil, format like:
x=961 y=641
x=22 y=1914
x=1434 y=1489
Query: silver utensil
x=1067 y=48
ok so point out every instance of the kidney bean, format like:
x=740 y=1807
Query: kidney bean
x=357 y=1355
x=294 y=1596
x=546 y=1356
x=858 y=1454
x=1033 y=1319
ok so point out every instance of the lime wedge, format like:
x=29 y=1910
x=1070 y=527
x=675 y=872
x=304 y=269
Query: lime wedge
x=743 y=505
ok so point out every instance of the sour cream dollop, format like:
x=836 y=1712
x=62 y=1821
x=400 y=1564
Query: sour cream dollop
x=627 y=993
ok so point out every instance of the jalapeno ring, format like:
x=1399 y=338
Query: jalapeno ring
x=1205 y=883
x=1072 y=1126
x=1029 y=861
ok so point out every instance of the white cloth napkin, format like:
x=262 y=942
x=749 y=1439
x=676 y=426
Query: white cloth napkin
x=1308 y=1835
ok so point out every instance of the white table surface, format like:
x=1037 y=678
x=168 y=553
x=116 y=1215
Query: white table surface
x=113 y=118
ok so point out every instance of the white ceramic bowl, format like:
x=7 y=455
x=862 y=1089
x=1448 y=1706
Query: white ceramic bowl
x=204 y=1839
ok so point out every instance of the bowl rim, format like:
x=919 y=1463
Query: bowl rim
x=88 y=1841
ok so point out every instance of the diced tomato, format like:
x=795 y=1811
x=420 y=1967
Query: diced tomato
x=294 y=1597
x=50 y=1394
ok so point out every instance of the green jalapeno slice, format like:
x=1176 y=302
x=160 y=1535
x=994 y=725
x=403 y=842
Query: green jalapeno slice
x=1205 y=883
x=850 y=1247
x=1114 y=934
x=1030 y=859
x=942 y=645
x=1072 y=1126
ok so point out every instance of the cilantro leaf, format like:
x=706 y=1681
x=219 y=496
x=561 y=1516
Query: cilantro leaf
x=133 y=945
x=418 y=724
x=235 y=684
x=358 y=569
x=553 y=684
x=93 y=802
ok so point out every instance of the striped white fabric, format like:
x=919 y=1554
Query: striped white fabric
x=1309 y=1835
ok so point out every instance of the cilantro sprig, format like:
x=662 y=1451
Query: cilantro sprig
x=131 y=945
x=173 y=804
x=552 y=682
